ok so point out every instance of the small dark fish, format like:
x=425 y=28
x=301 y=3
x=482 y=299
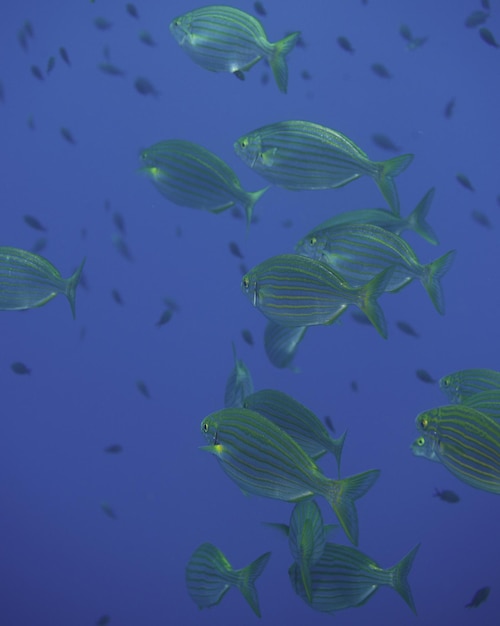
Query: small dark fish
x=476 y=18
x=132 y=10
x=380 y=70
x=34 y=223
x=418 y=42
x=424 y=376
x=404 y=327
x=145 y=87
x=405 y=32
x=264 y=78
x=147 y=39
x=237 y=213
x=103 y=620
x=345 y=44
x=481 y=218
x=64 y=55
x=329 y=423
x=39 y=245
x=28 y=29
x=247 y=336
x=239 y=74
x=385 y=142
x=486 y=5
x=110 y=69
x=360 y=318
x=114 y=448
x=142 y=387
x=67 y=135
x=446 y=495
x=354 y=386
x=465 y=182
x=235 y=250
x=20 y=368
x=37 y=72
x=101 y=23
x=488 y=37
x=305 y=75
x=22 y=39
x=50 y=64
x=260 y=9
x=108 y=510
x=119 y=222
x=116 y=295
x=164 y=318
x=172 y=304
x=288 y=223
x=449 y=108
x=479 y=597
x=122 y=247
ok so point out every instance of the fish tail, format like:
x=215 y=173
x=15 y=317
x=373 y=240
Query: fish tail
x=252 y=198
x=399 y=577
x=368 y=301
x=306 y=580
x=336 y=447
x=417 y=218
x=386 y=172
x=431 y=279
x=246 y=581
x=343 y=494
x=277 y=59
x=71 y=286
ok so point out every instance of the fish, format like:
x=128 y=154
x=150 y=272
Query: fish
x=294 y=290
x=164 y=318
x=235 y=250
x=359 y=252
x=280 y=469
x=132 y=10
x=34 y=222
x=488 y=402
x=225 y=39
x=50 y=64
x=122 y=246
x=328 y=421
x=117 y=297
x=407 y=329
x=479 y=597
x=303 y=426
x=28 y=280
x=119 y=222
x=247 y=336
x=260 y=9
x=101 y=23
x=385 y=142
x=465 y=441
x=37 y=72
x=39 y=245
x=464 y=181
x=405 y=32
x=464 y=383
x=239 y=383
x=345 y=44
x=209 y=575
x=114 y=448
x=481 y=218
x=64 y=55
x=449 y=108
x=189 y=175
x=147 y=38
x=22 y=39
x=67 y=135
x=446 y=495
x=281 y=344
x=344 y=578
x=20 y=368
x=354 y=386
x=103 y=620
x=416 y=221
x=110 y=69
x=301 y=155
x=424 y=376
x=476 y=18
x=380 y=70
x=107 y=510
x=145 y=87
x=28 y=29
x=143 y=388
x=488 y=37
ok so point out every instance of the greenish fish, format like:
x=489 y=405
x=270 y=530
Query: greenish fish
x=345 y=577
x=294 y=290
x=225 y=39
x=281 y=344
x=209 y=576
x=488 y=402
x=264 y=460
x=192 y=176
x=359 y=252
x=303 y=155
x=239 y=384
x=465 y=441
x=28 y=280
x=416 y=220
x=464 y=383
x=296 y=420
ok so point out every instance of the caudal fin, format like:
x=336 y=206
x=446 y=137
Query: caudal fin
x=431 y=279
x=336 y=446
x=252 y=197
x=368 y=300
x=277 y=59
x=71 y=286
x=417 y=218
x=399 y=577
x=246 y=581
x=344 y=493
x=386 y=172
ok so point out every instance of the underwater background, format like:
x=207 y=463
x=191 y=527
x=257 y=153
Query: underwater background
x=86 y=533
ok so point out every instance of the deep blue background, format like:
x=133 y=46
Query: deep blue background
x=62 y=561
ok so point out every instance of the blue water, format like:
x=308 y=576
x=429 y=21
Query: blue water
x=62 y=560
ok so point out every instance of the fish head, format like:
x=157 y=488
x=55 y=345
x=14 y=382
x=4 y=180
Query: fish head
x=209 y=429
x=249 y=148
x=426 y=421
x=449 y=385
x=425 y=447
x=311 y=247
x=249 y=287
x=181 y=30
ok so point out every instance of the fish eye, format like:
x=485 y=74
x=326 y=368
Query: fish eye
x=243 y=143
x=420 y=442
x=313 y=241
x=245 y=282
x=446 y=382
x=424 y=422
x=205 y=427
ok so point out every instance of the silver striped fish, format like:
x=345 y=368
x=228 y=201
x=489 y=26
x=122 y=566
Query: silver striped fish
x=302 y=155
x=293 y=290
x=345 y=577
x=239 y=384
x=264 y=460
x=361 y=251
x=488 y=402
x=225 y=39
x=28 y=280
x=281 y=344
x=465 y=441
x=209 y=576
x=189 y=175
x=296 y=420
x=464 y=383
